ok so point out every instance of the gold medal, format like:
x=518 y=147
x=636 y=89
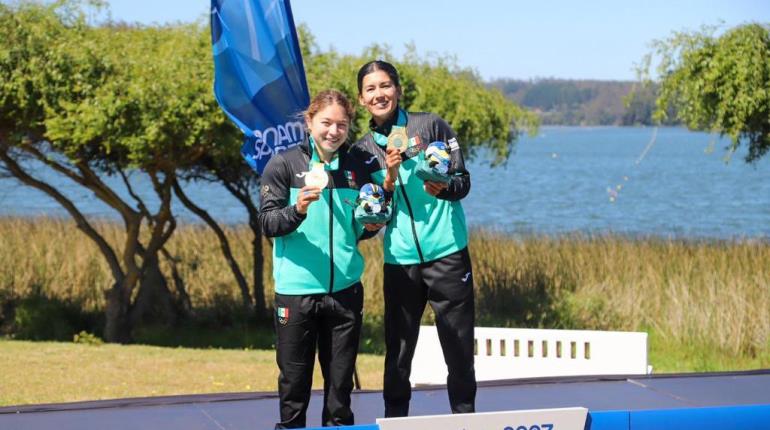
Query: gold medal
x=317 y=177
x=398 y=139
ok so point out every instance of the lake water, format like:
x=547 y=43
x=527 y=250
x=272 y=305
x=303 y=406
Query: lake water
x=566 y=179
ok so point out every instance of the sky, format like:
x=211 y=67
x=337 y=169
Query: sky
x=570 y=39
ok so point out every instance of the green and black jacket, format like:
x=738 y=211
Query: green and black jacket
x=317 y=252
x=423 y=228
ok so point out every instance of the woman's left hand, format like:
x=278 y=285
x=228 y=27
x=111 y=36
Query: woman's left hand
x=433 y=188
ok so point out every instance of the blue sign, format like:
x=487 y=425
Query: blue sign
x=259 y=79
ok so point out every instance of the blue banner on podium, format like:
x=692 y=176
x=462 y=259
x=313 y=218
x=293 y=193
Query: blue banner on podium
x=259 y=79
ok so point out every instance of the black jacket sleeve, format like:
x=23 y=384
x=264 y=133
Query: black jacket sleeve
x=460 y=182
x=276 y=216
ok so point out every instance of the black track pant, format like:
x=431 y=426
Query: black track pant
x=447 y=284
x=333 y=322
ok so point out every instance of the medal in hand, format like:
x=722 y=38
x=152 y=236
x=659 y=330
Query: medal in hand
x=398 y=139
x=317 y=177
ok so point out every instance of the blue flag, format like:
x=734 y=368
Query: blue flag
x=259 y=79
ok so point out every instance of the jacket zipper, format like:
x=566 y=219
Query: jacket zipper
x=331 y=233
x=411 y=218
x=408 y=205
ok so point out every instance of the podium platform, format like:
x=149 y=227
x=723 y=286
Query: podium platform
x=253 y=411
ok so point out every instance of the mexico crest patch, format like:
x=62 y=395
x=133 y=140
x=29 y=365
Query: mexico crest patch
x=283 y=315
x=351 y=177
x=415 y=146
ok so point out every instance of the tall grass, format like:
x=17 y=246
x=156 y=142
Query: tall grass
x=710 y=293
x=713 y=294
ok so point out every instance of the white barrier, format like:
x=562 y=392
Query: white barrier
x=534 y=419
x=510 y=353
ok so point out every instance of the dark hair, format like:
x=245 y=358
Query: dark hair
x=374 y=66
x=327 y=98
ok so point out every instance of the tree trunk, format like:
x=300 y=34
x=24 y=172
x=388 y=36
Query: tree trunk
x=183 y=302
x=117 y=328
x=260 y=305
x=240 y=189
x=118 y=297
x=154 y=302
x=224 y=244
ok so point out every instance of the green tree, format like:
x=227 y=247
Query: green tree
x=718 y=84
x=90 y=102
x=118 y=100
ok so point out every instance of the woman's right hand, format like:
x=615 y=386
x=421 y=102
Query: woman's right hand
x=392 y=162
x=306 y=196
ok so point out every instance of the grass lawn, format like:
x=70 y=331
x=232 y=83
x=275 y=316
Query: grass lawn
x=52 y=372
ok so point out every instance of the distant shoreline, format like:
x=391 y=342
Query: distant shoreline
x=582 y=101
x=472 y=231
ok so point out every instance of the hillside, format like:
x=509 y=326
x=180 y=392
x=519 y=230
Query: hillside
x=581 y=102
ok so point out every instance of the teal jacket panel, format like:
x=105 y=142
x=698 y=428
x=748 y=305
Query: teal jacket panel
x=315 y=253
x=423 y=228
